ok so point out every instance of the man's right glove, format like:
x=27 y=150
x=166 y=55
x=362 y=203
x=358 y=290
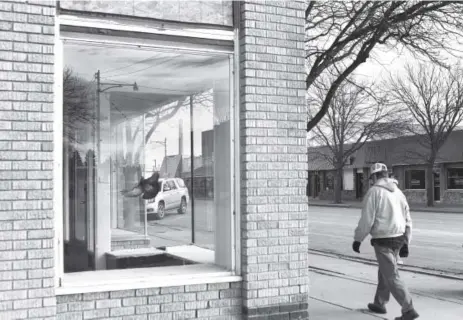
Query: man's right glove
x=403 y=253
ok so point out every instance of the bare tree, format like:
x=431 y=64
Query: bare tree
x=341 y=35
x=434 y=97
x=353 y=118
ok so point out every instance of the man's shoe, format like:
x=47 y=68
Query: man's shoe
x=410 y=315
x=376 y=308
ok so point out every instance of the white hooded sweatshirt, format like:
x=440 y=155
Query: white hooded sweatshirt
x=385 y=212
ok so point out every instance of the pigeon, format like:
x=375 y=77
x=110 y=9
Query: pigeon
x=149 y=188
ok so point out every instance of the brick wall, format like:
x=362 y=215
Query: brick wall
x=26 y=114
x=274 y=160
x=204 y=301
x=452 y=197
x=129 y=244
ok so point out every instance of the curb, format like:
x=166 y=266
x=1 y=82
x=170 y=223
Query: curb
x=413 y=269
x=433 y=210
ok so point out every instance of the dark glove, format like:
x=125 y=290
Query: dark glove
x=403 y=253
x=356 y=246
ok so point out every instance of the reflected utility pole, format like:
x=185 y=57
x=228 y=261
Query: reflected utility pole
x=192 y=162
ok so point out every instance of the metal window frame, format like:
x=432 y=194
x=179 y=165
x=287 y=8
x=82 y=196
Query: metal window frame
x=175 y=30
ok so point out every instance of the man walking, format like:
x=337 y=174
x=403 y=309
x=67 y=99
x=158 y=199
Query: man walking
x=386 y=217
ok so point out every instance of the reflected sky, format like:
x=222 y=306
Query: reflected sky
x=163 y=77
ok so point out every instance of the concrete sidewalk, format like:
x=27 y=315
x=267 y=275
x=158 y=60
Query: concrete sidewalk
x=341 y=289
x=438 y=208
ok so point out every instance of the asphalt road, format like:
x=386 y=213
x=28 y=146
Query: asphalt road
x=176 y=229
x=436 y=243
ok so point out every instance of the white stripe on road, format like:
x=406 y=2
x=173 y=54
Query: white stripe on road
x=413 y=245
x=421 y=231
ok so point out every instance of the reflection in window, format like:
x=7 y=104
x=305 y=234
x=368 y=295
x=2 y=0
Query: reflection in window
x=455 y=178
x=129 y=113
x=415 y=179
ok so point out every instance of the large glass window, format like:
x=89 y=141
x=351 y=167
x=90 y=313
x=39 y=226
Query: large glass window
x=131 y=114
x=455 y=178
x=415 y=179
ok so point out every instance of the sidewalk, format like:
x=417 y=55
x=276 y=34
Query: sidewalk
x=438 y=208
x=341 y=289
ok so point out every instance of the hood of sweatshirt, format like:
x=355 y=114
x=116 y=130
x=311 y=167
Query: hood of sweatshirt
x=387 y=183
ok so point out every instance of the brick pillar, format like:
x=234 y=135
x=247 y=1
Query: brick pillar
x=26 y=154
x=274 y=161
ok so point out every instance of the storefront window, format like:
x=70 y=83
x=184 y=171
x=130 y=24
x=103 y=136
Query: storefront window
x=131 y=113
x=455 y=178
x=329 y=180
x=415 y=179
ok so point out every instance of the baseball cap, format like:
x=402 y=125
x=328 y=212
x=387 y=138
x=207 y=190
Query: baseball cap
x=378 y=167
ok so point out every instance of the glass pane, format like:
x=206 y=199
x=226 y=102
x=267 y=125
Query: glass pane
x=415 y=179
x=79 y=170
x=135 y=114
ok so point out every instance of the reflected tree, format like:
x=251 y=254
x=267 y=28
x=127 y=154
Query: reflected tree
x=78 y=104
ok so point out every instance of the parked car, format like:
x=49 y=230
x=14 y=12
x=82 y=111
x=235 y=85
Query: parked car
x=173 y=194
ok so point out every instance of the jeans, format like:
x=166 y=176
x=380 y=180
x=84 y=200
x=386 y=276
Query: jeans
x=389 y=281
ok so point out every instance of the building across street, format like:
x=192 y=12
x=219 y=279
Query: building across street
x=405 y=158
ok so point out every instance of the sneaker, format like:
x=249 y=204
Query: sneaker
x=376 y=308
x=410 y=315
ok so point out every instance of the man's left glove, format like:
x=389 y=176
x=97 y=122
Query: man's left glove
x=403 y=253
x=356 y=246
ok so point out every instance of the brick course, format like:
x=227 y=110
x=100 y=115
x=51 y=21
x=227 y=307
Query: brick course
x=26 y=230
x=274 y=160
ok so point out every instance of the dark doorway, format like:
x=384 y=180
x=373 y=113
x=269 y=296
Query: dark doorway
x=436 y=186
x=359 y=185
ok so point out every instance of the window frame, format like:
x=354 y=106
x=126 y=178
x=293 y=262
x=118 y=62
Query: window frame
x=407 y=183
x=188 y=36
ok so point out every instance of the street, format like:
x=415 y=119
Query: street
x=175 y=229
x=436 y=243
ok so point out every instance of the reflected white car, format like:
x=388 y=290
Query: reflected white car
x=173 y=194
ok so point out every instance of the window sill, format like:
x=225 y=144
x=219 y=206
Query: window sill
x=141 y=278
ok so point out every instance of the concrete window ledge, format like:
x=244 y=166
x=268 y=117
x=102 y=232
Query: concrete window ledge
x=142 y=278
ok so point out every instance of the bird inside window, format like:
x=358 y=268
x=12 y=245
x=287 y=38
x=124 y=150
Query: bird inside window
x=149 y=188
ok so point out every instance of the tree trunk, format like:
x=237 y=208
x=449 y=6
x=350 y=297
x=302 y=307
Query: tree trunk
x=430 y=185
x=338 y=186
